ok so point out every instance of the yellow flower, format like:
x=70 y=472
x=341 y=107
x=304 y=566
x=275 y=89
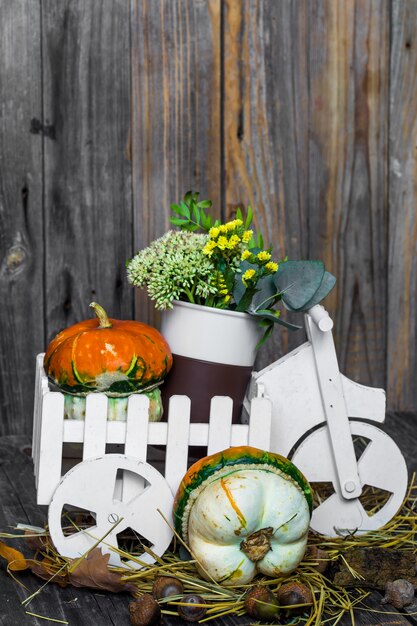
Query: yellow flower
x=209 y=248
x=246 y=254
x=223 y=292
x=222 y=228
x=263 y=256
x=247 y=236
x=233 y=242
x=248 y=275
x=214 y=232
x=271 y=267
x=227 y=298
x=222 y=242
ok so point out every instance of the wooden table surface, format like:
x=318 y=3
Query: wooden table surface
x=82 y=606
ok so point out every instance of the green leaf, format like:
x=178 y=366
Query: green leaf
x=266 y=294
x=298 y=281
x=268 y=315
x=265 y=336
x=188 y=196
x=178 y=221
x=239 y=215
x=249 y=217
x=206 y=220
x=196 y=213
x=176 y=209
x=205 y=204
x=326 y=286
x=185 y=210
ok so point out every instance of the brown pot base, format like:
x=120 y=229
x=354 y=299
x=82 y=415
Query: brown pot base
x=201 y=380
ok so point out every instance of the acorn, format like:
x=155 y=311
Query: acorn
x=189 y=611
x=167 y=586
x=261 y=603
x=292 y=594
x=144 y=611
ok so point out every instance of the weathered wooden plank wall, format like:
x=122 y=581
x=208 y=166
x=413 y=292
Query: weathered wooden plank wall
x=22 y=303
x=111 y=110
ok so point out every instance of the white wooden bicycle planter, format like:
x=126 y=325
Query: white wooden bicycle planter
x=123 y=490
x=301 y=407
x=314 y=422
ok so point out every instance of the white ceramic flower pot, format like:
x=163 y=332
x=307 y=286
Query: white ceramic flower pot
x=214 y=351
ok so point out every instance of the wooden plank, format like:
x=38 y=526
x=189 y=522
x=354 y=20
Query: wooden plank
x=175 y=113
x=21 y=220
x=265 y=130
x=88 y=203
x=348 y=119
x=402 y=265
x=306 y=91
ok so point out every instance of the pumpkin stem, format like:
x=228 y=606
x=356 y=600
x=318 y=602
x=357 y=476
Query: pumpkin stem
x=257 y=544
x=102 y=315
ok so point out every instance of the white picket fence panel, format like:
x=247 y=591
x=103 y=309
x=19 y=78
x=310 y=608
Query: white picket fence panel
x=51 y=431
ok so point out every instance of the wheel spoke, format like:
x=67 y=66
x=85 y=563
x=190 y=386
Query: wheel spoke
x=381 y=466
x=336 y=515
x=314 y=458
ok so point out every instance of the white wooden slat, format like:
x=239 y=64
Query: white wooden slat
x=116 y=433
x=136 y=443
x=37 y=415
x=137 y=427
x=50 y=451
x=95 y=426
x=219 y=435
x=177 y=442
x=239 y=435
x=260 y=424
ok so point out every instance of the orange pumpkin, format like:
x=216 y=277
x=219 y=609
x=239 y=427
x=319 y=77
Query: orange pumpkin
x=116 y=356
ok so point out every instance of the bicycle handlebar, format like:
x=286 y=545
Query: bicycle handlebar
x=321 y=318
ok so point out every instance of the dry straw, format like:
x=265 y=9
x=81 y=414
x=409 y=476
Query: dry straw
x=330 y=603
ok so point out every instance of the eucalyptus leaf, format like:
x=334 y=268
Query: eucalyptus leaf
x=298 y=281
x=267 y=292
x=325 y=288
x=274 y=319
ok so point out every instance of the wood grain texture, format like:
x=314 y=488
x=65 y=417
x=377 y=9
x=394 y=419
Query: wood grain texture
x=265 y=129
x=21 y=218
x=306 y=89
x=176 y=136
x=402 y=257
x=88 y=200
x=348 y=120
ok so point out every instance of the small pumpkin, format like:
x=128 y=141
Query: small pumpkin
x=103 y=354
x=243 y=511
x=75 y=406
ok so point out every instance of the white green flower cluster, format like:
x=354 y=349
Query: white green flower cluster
x=173 y=266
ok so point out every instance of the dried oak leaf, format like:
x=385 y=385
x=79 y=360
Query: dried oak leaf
x=15 y=559
x=93 y=571
x=48 y=570
x=35 y=542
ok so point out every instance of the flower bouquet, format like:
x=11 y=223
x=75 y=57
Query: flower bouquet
x=221 y=271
